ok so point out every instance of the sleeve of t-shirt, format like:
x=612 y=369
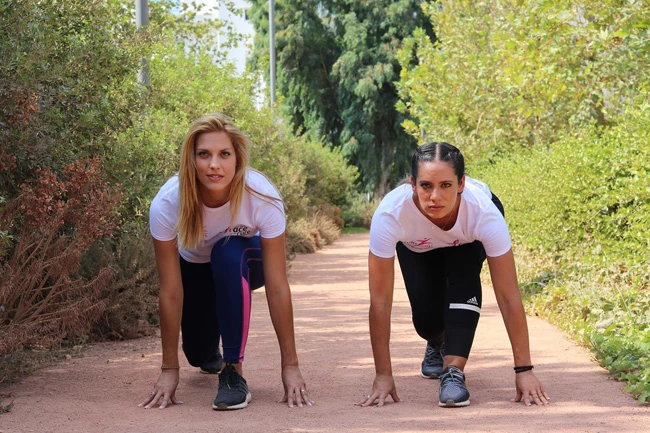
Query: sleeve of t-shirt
x=271 y=220
x=161 y=223
x=384 y=235
x=494 y=234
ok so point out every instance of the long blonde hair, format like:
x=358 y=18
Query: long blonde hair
x=190 y=213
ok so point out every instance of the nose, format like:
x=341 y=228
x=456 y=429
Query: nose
x=214 y=162
x=435 y=194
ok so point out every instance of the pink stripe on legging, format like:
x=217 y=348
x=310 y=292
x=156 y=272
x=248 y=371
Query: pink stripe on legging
x=246 y=315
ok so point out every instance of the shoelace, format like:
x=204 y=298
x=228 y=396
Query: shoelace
x=453 y=375
x=233 y=379
x=433 y=353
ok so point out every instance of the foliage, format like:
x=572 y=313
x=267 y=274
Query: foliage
x=337 y=72
x=53 y=222
x=307 y=235
x=505 y=74
x=183 y=87
x=549 y=98
x=306 y=50
x=582 y=207
x=354 y=230
x=69 y=90
x=360 y=211
x=131 y=300
x=328 y=230
x=329 y=180
x=65 y=84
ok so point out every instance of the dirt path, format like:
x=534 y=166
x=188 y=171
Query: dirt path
x=99 y=391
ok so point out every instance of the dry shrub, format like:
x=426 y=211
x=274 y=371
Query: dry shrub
x=131 y=301
x=303 y=238
x=333 y=213
x=310 y=235
x=6 y=407
x=7 y=161
x=329 y=231
x=50 y=225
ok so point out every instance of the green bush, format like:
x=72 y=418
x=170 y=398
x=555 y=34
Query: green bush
x=66 y=82
x=329 y=178
x=505 y=74
x=68 y=89
x=582 y=207
x=359 y=211
x=548 y=98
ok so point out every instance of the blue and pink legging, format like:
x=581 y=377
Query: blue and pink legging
x=217 y=299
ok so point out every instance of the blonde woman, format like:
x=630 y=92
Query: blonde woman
x=218 y=233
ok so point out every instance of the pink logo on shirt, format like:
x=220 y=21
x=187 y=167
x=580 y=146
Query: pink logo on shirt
x=454 y=243
x=420 y=243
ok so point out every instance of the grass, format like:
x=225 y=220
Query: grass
x=354 y=230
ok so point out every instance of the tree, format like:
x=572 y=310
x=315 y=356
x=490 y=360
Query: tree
x=523 y=73
x=84 y=148
x=337 y=72
x=306 y=51
x=65 y=85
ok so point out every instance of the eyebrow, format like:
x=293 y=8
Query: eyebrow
x=199 y=148
x=442 y=181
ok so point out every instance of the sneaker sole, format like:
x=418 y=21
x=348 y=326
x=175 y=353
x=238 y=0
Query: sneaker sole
x=235 y=406
x=433 y=376
x=451 y=403
x=209 y=371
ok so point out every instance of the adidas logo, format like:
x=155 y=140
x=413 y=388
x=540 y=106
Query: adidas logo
x=472 y=301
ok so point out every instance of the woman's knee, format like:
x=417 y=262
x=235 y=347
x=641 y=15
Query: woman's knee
x=229 y=250
x=430 y=330
x=197 y=353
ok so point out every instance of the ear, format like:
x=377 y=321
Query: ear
x=412 y=183
x=461 y=185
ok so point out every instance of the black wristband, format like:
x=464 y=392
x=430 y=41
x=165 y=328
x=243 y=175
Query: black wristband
x=522 y=368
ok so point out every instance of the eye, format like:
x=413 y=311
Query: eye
x=446 y=185
x=425 y=185
x=225 y=153
x=202 y=154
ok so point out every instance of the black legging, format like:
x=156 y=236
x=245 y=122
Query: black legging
x=216 y=299
x=444 y=289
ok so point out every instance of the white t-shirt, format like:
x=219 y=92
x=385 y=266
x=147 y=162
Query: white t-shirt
x=397 y=219
x=256 y=216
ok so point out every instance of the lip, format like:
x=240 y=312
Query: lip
x=214 y=177
x=436 y=208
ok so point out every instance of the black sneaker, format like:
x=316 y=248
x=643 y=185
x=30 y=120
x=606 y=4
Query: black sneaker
x=453 y=392
x=212 y=365
x=233 y=390
x=433 y=360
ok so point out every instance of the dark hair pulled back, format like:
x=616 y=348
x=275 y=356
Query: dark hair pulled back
x=438 y=151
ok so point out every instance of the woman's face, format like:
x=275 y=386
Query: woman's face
x=216 y=164
x=437 y=190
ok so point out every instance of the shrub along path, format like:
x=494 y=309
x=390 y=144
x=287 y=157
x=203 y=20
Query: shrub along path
x=99 y=391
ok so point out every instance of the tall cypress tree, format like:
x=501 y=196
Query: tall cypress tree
x=337 y=69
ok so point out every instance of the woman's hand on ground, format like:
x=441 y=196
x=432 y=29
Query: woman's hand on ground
x=529 y=389
x=164 y=391
x=295 y=389
x=382 y=387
